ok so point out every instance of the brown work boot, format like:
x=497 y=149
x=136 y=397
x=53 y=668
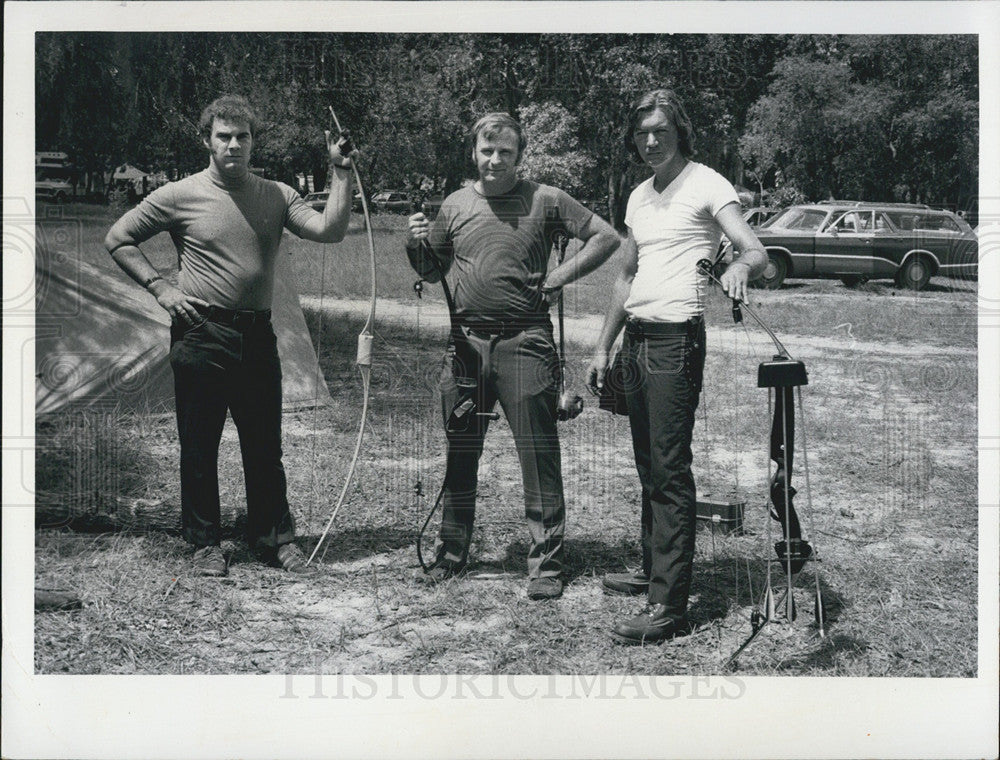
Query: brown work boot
x=209 y=561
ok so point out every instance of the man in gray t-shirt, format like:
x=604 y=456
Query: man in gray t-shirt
x=226 y=224
x=495 y=237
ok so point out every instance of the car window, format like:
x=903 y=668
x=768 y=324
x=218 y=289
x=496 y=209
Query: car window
x=882 y=223
x=903 y=220
x=936 y=223
x=798 y=219
x=846 y=223
x=853 y=221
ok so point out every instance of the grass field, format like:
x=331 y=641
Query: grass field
x=891 y=419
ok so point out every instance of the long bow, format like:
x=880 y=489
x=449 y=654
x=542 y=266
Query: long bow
x=364 y=355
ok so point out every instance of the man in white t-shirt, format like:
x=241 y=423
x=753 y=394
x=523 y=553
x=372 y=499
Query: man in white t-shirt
x=674 y=219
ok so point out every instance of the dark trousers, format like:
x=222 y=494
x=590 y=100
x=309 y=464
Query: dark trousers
x=219 y=368
x=665 y=372
x=519 y=372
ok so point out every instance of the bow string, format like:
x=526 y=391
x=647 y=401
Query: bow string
x=363 y=360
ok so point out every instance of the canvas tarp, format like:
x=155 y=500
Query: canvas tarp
x=101 y=341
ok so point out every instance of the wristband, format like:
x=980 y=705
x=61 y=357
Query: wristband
x=150 y=281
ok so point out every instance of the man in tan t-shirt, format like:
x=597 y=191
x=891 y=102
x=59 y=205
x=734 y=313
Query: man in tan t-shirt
x=226 y=224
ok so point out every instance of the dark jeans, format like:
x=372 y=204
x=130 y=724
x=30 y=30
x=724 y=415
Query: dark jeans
x=666 y=375
x=519 y=372
x=219 y=368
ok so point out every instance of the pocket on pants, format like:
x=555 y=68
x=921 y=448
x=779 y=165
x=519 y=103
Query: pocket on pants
x=666 y=355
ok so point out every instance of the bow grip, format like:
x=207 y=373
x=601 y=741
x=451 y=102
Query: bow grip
x=344 y=144
x=364 y=358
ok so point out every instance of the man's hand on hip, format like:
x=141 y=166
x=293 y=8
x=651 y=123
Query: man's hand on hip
x=181 y=307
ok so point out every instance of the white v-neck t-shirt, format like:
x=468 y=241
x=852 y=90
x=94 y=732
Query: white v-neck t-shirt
x=673 y=230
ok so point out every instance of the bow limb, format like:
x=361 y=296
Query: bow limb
x=364 y=355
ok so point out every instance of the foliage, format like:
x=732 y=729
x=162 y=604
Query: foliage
x=875 y=117
x=553 y=155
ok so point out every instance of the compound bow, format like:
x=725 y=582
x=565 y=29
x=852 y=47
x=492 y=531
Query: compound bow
x=781 y=374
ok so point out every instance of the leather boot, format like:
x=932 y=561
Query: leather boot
x=650 y=627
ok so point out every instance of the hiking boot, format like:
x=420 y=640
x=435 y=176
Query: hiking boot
x=441 y=571
x=549 y=587
x=651 y=627
x=209 y=561
x=292 y=560
x=632 y=584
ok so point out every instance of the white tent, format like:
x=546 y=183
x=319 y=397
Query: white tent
x=127 y=171
x=103 y=342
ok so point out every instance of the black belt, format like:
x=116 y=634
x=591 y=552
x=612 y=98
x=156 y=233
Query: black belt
x=241 y=319
x=501 y=330
x=640 y=329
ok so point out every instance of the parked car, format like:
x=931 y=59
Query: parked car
x=758 y=215
x=431 y=205
x=856 y=241
x=317 y=200
x=53 y=171
x=755 y=217
x=395 y=201
x=52 y=190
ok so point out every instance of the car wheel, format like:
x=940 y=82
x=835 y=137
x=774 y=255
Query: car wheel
x=60 y=198
x=914 y=274
x=774 y=272
x=853 y=280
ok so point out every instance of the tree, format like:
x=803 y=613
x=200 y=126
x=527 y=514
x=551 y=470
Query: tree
x=796 y=126
x=873 y=118
x=553 y=154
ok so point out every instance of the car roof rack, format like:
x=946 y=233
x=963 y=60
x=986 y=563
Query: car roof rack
x=862 y=204
x=896 y=205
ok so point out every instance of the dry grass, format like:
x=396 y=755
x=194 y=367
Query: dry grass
x=891 y=409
